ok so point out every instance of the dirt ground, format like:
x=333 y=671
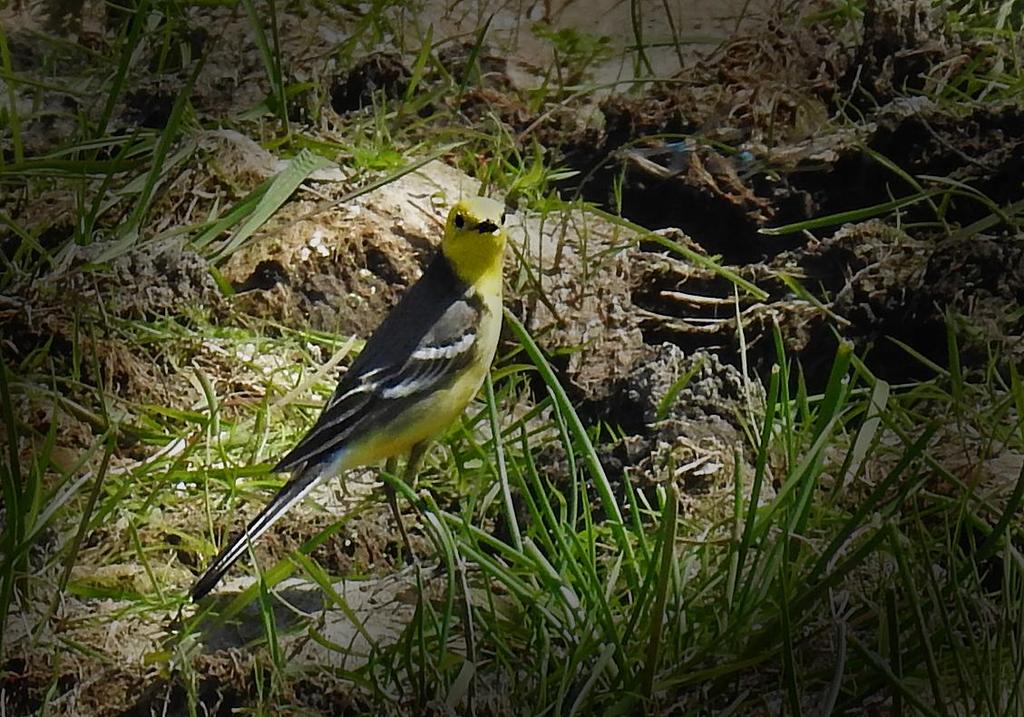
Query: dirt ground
x=757 y=98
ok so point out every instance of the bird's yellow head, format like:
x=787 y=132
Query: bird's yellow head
x=474 y=239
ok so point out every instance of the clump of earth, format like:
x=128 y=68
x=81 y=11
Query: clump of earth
x=749 y=141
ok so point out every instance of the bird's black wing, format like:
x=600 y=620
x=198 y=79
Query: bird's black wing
x=426 y=339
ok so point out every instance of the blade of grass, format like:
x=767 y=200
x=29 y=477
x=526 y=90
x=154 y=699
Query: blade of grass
x=281 y=188
x=14 y=526
x=128 y=233
x=895 y=541
x=788 y=658
x=637 y=22
x=471 y=60
x=854 y=215
x=666 y=402
x=499 y=450
x=894 y=649
x=882 y=491
x=83 y=524
x=906 y=177
x=323 y=580
x=377 y=183
x=129 y=44
x=600 y=665
x=699 y=259
x=14 y=122
x=271 y=56
x=416 y=76
x=266 y=608
x=669 y=524
x=836 y=387
x=1010 y=513
x=444 y=541
x=906 y=691
x=760 y=466
x=867 y=434
x=594 y=466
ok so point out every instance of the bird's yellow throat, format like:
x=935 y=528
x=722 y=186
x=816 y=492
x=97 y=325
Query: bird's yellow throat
x=474 y=240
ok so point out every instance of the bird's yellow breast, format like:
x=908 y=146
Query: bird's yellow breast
x=429 y=417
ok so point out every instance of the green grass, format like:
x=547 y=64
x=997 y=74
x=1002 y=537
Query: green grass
x=861 y=547
x=628 y=610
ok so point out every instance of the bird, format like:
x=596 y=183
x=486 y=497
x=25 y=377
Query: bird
x=415 y=375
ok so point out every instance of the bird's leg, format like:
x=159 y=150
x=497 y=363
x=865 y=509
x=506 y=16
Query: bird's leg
x=389 y=491
x=411 y=466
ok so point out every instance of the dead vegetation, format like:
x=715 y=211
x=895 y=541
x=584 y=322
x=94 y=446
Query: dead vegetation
x=182 y=357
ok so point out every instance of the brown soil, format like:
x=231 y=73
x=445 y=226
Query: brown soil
x=623 y=317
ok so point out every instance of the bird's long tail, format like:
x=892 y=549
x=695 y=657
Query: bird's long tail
x=303 y=481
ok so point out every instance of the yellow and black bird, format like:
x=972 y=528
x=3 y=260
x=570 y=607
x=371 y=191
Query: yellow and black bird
x=415 y=375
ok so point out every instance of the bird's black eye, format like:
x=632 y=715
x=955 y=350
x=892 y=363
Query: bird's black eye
x=460 y=221
x=503 y=215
